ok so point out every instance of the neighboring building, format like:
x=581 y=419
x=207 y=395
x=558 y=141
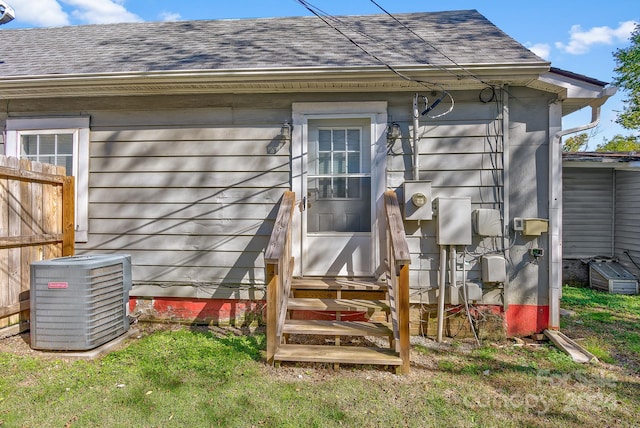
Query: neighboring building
x=177 y=134
x=601 y=211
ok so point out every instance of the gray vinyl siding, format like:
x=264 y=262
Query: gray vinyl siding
x=189 y=185
x=528 y=196
x=462 y=155
x=190 y=193
x=588 y=201
x=627 y=231
x=193 y=205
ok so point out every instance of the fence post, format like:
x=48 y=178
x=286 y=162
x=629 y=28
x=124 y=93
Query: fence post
x=68 y=216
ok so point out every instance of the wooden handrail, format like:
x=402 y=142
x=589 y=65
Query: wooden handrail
x=398 y=262
x=398 y=243
x=279 y=267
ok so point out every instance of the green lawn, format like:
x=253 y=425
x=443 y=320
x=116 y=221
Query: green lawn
x=194 y=377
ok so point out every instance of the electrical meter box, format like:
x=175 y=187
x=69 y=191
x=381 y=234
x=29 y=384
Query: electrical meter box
x=417 y=200
x=453 y=225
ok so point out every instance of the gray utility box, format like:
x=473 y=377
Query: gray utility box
x=453 y=225
x=79 y=303
x=612 y=277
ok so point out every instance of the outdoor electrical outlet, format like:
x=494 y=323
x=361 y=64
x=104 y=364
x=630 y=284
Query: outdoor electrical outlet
x=536 y=252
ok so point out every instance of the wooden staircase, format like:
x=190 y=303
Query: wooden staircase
x=332 y=298
x=381 y=309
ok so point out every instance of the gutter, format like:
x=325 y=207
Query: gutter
x=251 y=80
x=555 y=202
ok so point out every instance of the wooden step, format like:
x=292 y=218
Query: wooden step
x=337 y=354
x=309 y=304
x=337 y=328
x=337 y=284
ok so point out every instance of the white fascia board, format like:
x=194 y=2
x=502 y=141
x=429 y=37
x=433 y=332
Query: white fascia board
x=567 y=87
x=264 y=80
x=574 y=93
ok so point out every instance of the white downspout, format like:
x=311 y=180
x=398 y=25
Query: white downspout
x=555 y=200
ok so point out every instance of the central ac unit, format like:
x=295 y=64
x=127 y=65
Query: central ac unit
x=79 y=303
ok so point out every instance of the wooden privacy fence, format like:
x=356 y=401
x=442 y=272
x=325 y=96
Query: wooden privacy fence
x=36 y=223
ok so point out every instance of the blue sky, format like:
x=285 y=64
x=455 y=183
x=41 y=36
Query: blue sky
x=578 y=36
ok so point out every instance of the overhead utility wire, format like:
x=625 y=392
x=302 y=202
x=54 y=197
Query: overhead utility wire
x=429 y=44
x=317 y=12
x=401 y=50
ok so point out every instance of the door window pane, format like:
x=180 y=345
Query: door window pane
x=354 y=162
x=339 y=140
x=353 y=139
x=324 y=140
x=324 y=188
x=339 y=163
x=340 y=187
x=324 y=163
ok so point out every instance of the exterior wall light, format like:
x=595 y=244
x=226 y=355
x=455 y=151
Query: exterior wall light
x=285 y=131
x=393 y=132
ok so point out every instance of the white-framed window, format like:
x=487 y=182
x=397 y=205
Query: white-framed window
x=62 y=141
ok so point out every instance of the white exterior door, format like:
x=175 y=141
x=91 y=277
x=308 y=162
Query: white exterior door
x=337 y=179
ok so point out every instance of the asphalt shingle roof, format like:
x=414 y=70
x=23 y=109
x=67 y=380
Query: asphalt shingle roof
x=465 y=37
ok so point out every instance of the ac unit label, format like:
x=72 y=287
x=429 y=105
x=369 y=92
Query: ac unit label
x=58 y=285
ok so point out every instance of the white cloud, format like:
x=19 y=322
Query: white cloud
x=170 y=16
x=101 y=11
x=41 y=13
x=580 y=41
x=543 y=50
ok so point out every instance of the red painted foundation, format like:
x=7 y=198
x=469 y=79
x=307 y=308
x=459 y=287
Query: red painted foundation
x=205 y=311
x=520 y=320
x=524 y=320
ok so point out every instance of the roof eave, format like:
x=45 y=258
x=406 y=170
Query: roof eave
x=574 y=90
x=269 y=80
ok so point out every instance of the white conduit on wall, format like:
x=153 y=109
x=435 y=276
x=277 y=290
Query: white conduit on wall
x=441 y=290
x=416 y=139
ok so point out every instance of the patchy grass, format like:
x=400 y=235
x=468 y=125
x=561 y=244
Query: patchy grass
x=196 y=377
x=608 y=324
